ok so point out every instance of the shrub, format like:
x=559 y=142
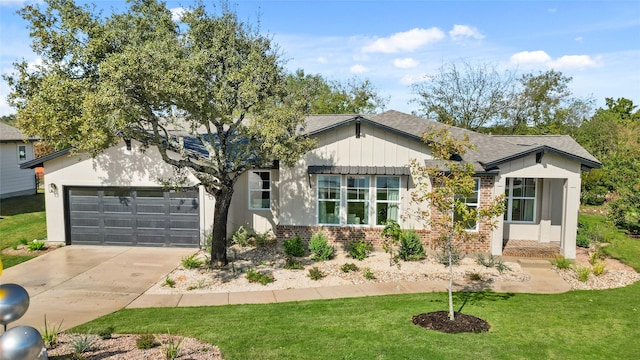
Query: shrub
x=596 y=255
x=411 y=246
x=263 y=239
x=24 y=241
x=293 y=246
x=562 y=262
x=598 y=268
x=170 y=347
x=293 y=264
x=240 y=237
x=320 y=248
x=169 y=282
x=145 y=341
x=456 y=256
x=502 y=267
x=359 y=249
x=83 y=342
x=50 y=334
x=36 y=245
x=191 y=262
x=486 y=262
x=474 y=276
x=315 y=273
x=348 y=267
x=105 y=333
x=391 y=235
x=582 y=272
x=368 y=274
x=258 y=277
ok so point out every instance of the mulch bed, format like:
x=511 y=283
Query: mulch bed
x=439 y=321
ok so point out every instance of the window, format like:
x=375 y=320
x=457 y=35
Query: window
x=260 y=190
x=22 y=153
x=472 y=203
x=521 y=199
x=357 y=200
x=329 y=199
x=387 y=199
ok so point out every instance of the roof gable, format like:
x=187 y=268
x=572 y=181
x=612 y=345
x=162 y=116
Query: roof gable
x=10 y=133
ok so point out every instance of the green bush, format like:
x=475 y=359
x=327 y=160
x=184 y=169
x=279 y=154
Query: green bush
x=582 y=272
x=562 y=262
x=293 y=246
x=240 y=237
x=411 y=248
x=488 y=262
x=145 y=341
x=82 y=343
x=36 y=245
x=456 y=256
x=105 y=333
x=191 y=262
x=359 y=249
x=320 y=248
x=502 y=267
x=292 y=263
x=315 y=273
x=625 y=210
x=263 y=239
x=368 y=274
x=258 y=277
x=348 y=267
x=169 y=282
x=598 y=268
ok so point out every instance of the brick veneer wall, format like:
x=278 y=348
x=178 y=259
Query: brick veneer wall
x=342 y=235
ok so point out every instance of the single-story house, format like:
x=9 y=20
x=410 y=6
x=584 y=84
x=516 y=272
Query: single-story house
x=15 y=149
x=354 y=180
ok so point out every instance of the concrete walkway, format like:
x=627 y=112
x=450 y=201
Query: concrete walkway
x=543 y=281
x=75 y=284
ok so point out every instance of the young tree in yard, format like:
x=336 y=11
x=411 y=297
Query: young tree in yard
x=141 y=75
x=445 y=188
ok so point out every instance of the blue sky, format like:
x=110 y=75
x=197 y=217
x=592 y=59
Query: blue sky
x=396 y=43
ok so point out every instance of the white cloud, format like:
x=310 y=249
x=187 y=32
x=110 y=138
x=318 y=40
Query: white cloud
x=31 y=65
x=528 y=57
x=460 y=32
x=405 y=41
x=358 y=69
x=412 y=79
x=574 y=62
x=177 y=13
x=578 y=39
x=15 y=2
x=322 y=60
x=406 y=63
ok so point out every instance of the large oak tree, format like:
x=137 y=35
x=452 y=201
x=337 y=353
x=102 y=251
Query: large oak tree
x=141 y=75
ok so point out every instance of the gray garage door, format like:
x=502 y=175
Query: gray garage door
x=133 y=217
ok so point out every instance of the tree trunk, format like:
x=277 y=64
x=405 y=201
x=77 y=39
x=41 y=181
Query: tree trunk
x=219 y=237
x=450 y=251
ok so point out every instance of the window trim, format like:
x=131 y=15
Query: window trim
x=250 y=191
x=26 y=155
x=376 y=201
x=339 y=200
x=366 y=201
x=509 y=199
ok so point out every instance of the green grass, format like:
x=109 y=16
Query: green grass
x=574 y=325
x=620 y=246
x=22 y=218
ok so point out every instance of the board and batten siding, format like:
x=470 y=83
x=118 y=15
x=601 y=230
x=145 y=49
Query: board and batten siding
x=13 y=180
x=340 y=147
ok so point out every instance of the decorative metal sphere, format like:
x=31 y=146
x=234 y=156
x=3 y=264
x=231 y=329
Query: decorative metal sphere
x=21 y=343
x=14 y=302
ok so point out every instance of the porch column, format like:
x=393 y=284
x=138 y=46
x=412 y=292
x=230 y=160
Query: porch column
x=545 y=214
x=570 y=223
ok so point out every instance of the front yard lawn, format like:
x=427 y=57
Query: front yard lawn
x=22 y=218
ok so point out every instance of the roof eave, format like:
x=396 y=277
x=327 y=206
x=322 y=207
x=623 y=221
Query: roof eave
x=544 y=148
x=37 y=162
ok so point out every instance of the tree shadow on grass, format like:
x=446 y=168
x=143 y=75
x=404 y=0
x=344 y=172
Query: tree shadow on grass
x=478 y=293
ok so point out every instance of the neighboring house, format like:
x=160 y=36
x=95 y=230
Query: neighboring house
x=354 y=180
x=15 y=149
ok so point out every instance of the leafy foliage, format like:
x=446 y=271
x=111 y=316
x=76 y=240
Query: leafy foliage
x=145 y=341
x=258 y=277
x=82 y=343
x=291 y=263
x=140 y=75
x=368 y=274
x=411 y=248
x=360 y=249
x=391 y=234
x=349 y=267
x=50 y=333
x=320 y=248
x=562 y=262
x=191 y=262
x=294 y=246
x=315 y=273
x=37 y=245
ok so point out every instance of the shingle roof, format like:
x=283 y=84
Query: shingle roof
x=490 y=150
x=9 y=133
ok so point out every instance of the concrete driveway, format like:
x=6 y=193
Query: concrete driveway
x=75 y=284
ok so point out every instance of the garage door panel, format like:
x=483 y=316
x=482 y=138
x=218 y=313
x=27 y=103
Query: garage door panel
x=133 y=217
